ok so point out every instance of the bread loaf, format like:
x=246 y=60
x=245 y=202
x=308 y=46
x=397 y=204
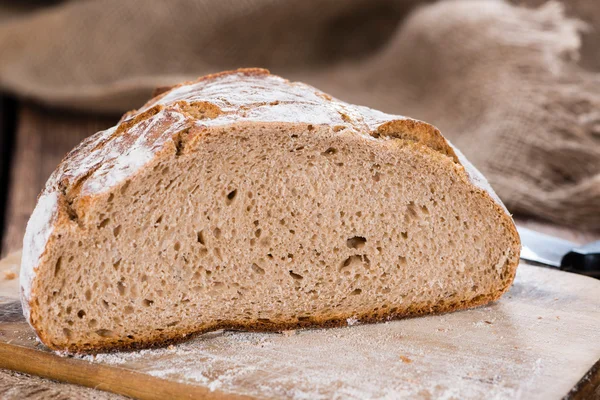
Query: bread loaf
x=246 y=201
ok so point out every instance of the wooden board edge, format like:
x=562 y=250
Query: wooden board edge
x=102 y=377
x=588 y=387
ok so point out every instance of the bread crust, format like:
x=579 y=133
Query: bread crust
x=180 y=115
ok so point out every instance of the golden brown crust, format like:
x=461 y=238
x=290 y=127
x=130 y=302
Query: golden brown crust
x=417 y=131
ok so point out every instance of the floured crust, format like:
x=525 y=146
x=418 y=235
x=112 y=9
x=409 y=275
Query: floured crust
x=172 y=120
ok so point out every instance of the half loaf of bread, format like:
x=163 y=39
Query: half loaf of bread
x=246 y=201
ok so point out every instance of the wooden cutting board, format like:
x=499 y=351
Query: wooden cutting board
x=541 y=340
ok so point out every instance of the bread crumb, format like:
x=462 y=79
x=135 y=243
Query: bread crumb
x=405 y=359
x=352 y=321
x=288 y=333
x=9 y=275
x=171 y=347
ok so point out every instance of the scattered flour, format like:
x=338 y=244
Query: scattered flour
x=364 y=361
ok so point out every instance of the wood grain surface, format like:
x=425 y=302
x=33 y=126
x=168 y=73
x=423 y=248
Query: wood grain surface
x=18 y=386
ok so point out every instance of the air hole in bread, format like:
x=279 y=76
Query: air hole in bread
x=356 y=242
x=352 y=261
x=148 y=302
x=105 y=333
x=57 y=265
x=356 y=292
x=330 y=151
x=104 y=222
x=411 y=211
x=81 y=314
x=231 y=196
x=258 y=269
x=116 y=230
x=295 y=275
x=200 y=237
x=121 y=288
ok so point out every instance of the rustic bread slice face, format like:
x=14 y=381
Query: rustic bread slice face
x=209 y=210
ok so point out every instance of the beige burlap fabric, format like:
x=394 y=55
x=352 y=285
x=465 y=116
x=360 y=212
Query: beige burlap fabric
x=514 y=87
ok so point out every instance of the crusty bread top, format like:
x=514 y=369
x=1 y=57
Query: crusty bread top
x=246 y=95
x=179 y=114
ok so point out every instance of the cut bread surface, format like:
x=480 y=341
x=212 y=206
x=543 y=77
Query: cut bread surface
x=210 y=218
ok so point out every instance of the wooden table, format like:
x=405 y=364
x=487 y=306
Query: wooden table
x=33 y=140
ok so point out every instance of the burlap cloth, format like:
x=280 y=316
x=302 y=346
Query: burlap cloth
x=516 y=87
